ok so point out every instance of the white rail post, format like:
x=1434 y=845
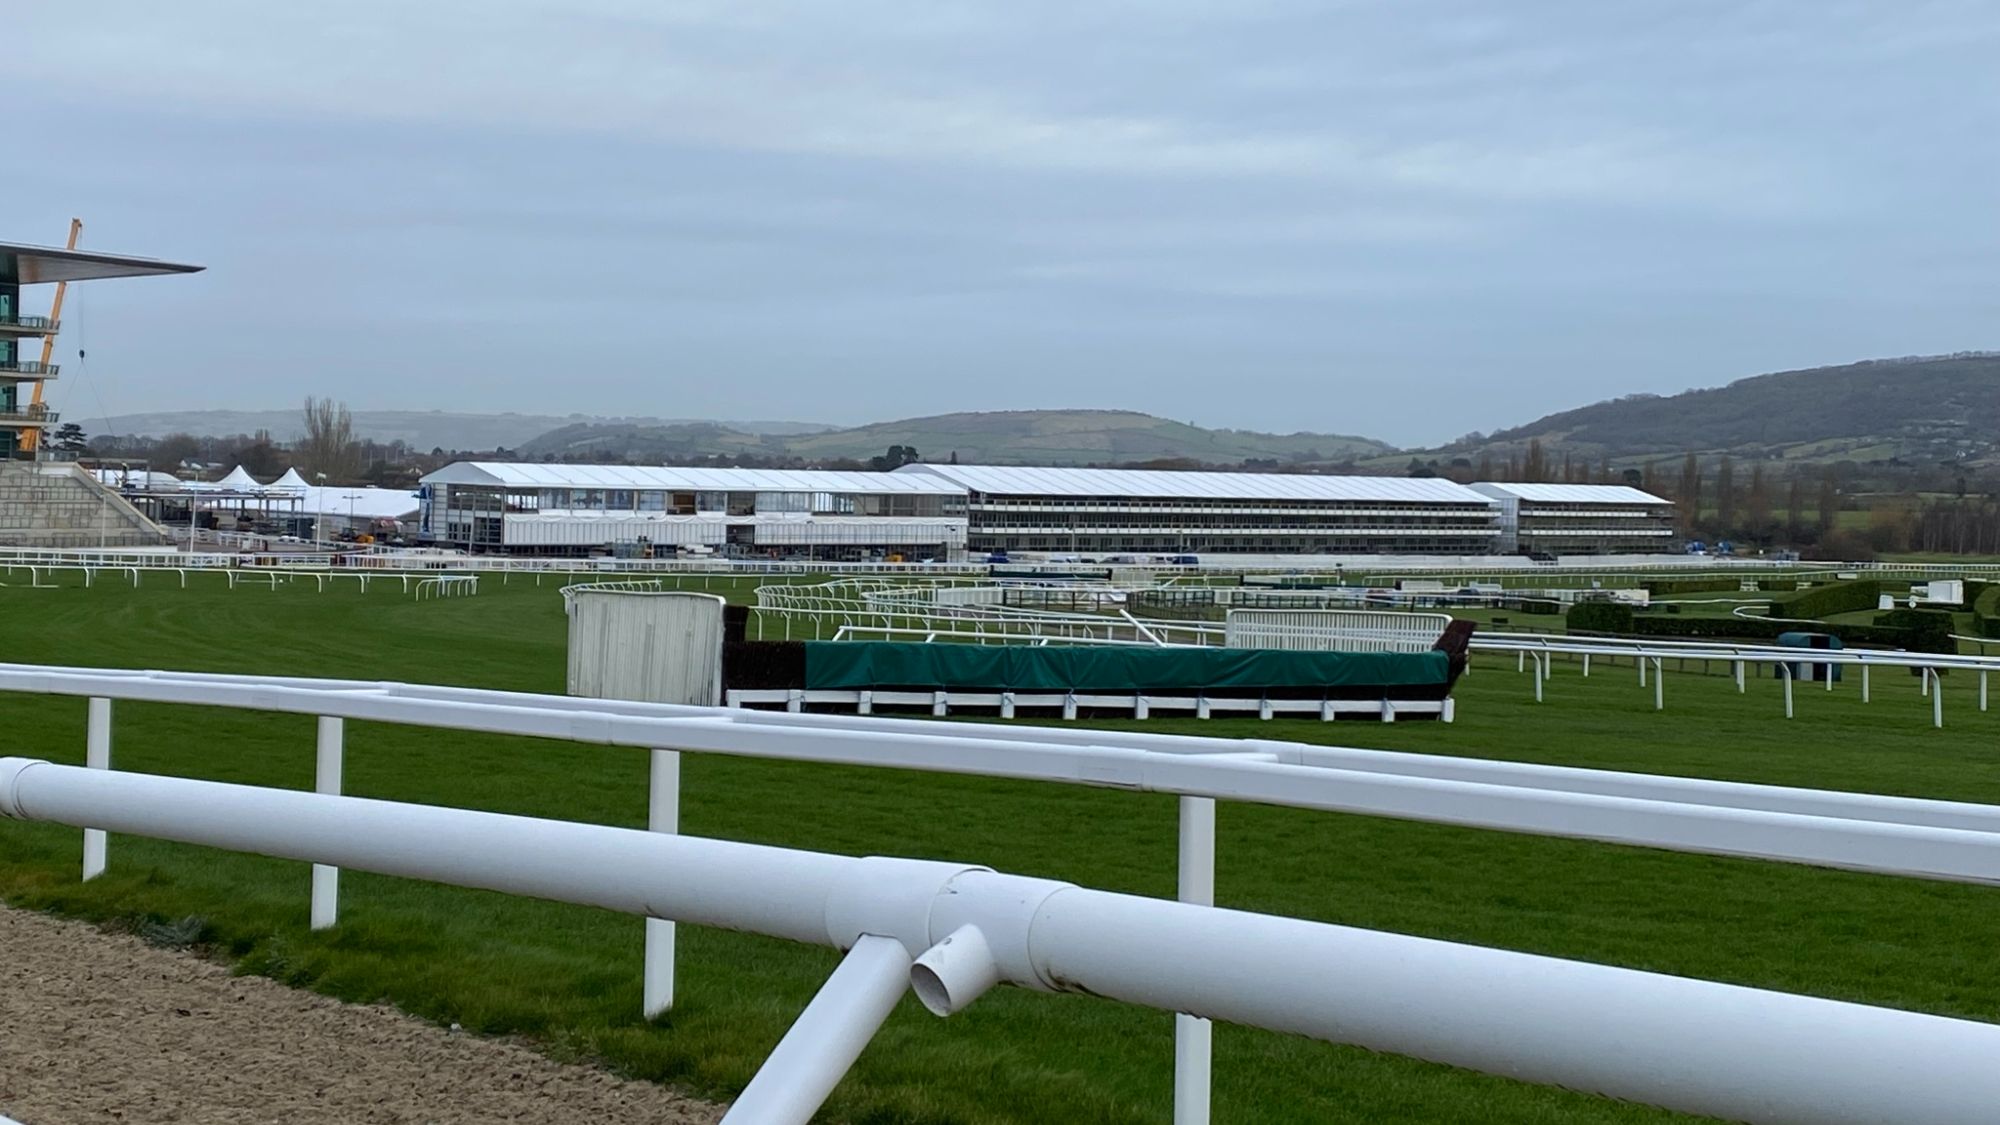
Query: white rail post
x=1982 y=689
x=1937 y=698
x=326 y=779
x=1641 y=662
x=663 y=814
x=1864 y=683
x=1539 y=658
x=96 y=755
x=1193 y=1034
x=1659 y=684
x=1740 y=688
x=1785 y=669
x=1586 y=665
x=829 y=1035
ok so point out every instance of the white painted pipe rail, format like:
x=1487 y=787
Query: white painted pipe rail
x=829 y=1035
x=1903 y=836
x=1696 y=1046
x=1933 y=839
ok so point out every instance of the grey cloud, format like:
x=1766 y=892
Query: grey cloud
x=1406 y=220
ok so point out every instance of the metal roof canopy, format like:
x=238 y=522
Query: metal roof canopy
x=505 y=474
x=32 y=265
x=1172 y=484
x=1568 y=493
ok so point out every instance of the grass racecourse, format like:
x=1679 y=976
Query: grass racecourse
x=567 y=977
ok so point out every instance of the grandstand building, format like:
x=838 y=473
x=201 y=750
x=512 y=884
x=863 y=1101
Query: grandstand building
x=1580 y=519
x=1132 y=511
x=551 y=509
x=54 y=505
x=23 y=416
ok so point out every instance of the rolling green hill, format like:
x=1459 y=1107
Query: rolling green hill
x=1918 y=409
x=1000 y=437
x=1075 y=436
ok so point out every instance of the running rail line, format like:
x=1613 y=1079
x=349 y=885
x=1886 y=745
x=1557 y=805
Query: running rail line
x=949 y=932
x=1942 y=840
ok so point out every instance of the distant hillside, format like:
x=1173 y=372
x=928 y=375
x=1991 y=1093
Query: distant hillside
x=421 y=429
x=1918 y=409
x=643 y=442
x=1072 y=436
x=1001 y=437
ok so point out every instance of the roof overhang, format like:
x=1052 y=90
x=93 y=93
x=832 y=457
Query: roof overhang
x=32 y=265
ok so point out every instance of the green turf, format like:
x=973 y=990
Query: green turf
x=569 y=977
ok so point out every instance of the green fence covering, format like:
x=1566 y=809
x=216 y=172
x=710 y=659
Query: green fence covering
x=853 y=665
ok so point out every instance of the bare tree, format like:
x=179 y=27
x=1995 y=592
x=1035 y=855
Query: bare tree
x=1757 y=507
x=1535 y=468
x=1688 y=498
x=1829 y=503
x=1725 y=498
x=328 y=448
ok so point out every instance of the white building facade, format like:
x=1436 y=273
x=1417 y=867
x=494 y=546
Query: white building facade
x=1162 y=512
x=549 y=509
x=1581 y=519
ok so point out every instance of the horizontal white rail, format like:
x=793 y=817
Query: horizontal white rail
x=1142 y=704
x=956 y=929
x=1905 y=836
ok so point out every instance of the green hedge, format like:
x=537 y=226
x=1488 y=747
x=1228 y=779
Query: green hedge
x=1659 y=587
x=1934 y=626
x=1757 y=629
x=1824 y=601
x=1986 y=608
x=1598 y=617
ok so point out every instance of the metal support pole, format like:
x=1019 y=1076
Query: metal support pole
x=1659 y=685
x=1982 y=689
x=1937 y=698
x=663 y=814
x=1864 y=683
x=829 y=1035
x=96 y=755
x=1641 y=662
x=1193 y=1034
x=1538 y=677
x=326 y=779
x=1740 y=688
x=1785 y=669
x=1586 y=665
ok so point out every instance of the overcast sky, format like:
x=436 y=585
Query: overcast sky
x=1397 y=218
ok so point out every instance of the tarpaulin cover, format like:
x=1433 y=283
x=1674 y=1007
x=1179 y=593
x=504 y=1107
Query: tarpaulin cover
x=853 y=665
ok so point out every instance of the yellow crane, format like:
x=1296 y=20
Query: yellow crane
x=31 y=439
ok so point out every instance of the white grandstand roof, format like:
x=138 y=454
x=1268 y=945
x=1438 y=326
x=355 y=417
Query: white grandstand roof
x=368 y=503
x=1024 y=481
x=1569 y=493
x=530 y=475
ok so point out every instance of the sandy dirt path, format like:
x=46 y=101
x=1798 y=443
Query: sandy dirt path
x=98 y=1027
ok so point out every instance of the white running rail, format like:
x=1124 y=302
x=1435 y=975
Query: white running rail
x=950 y=931
x=1548 y=1020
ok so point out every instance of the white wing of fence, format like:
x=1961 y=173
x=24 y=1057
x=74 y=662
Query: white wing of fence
x=1340 y=630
